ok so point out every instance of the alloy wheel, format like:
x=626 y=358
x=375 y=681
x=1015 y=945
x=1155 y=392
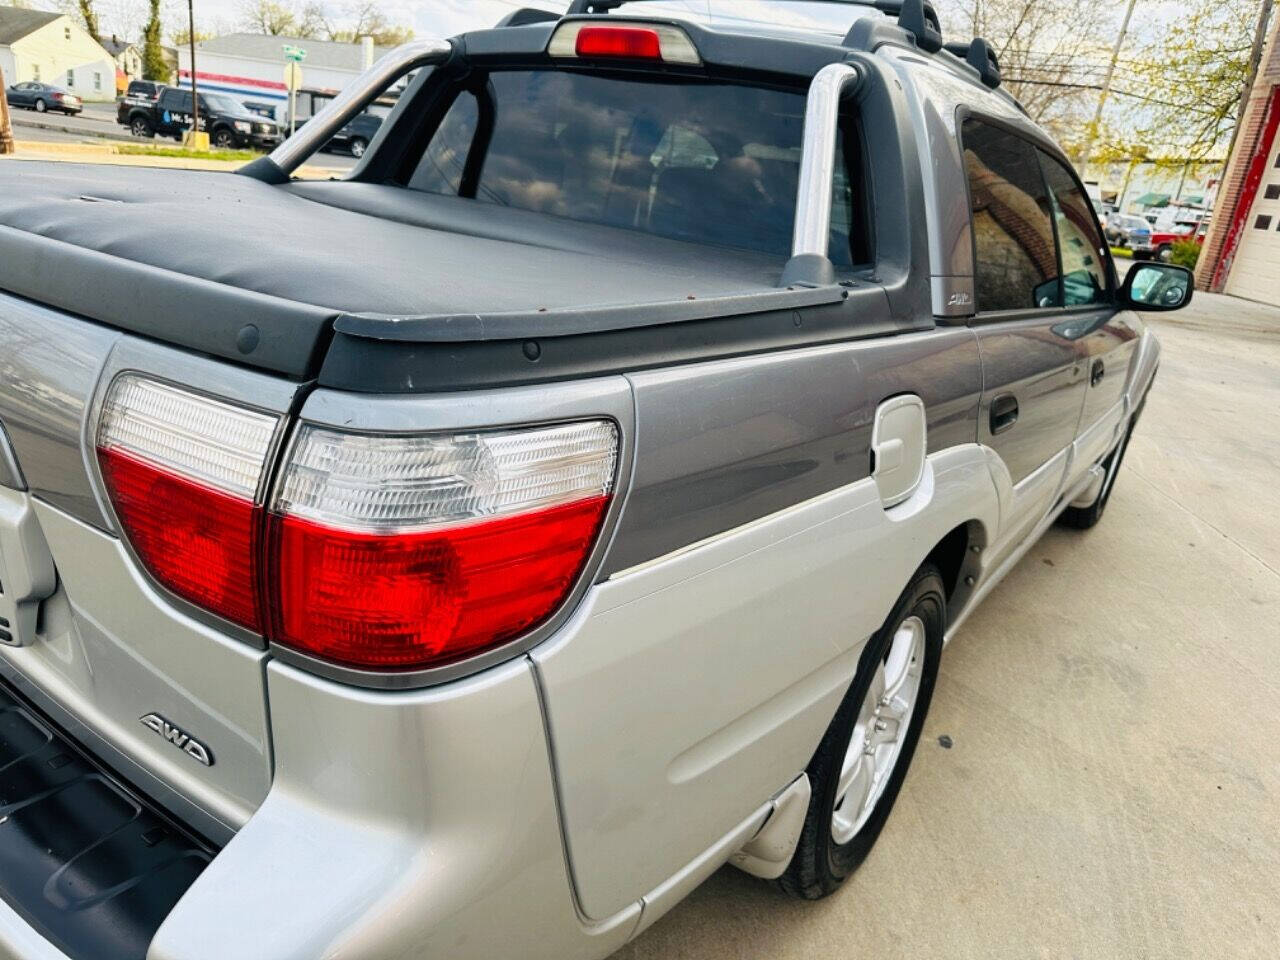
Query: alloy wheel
x=883 y=721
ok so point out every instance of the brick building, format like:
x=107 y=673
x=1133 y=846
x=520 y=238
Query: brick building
x=1241 y=254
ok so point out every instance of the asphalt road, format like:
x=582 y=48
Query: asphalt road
x=98 y=123
x=1113 y=790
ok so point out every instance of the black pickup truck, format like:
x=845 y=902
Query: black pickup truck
x=229 y=123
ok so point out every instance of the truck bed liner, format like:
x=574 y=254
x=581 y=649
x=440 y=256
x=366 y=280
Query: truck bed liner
x=196 y=258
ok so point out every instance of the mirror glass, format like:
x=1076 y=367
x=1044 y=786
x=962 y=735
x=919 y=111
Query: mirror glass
x=1159 y=286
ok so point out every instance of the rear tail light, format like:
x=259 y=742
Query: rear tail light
x=412 y=551
x=621 y=40
x=386 y=552
x=183 y=473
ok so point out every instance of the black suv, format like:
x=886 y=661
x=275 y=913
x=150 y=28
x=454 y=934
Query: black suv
x=228 y=122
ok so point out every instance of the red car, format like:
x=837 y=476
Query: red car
x=1162 y=241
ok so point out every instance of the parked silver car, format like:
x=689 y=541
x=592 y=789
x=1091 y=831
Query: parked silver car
x=574 y=500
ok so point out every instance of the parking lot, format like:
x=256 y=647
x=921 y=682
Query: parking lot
x=1113 y=785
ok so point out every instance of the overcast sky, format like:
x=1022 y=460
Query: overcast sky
x=430 y=18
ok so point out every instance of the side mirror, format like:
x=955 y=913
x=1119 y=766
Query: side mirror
x=1157 y=287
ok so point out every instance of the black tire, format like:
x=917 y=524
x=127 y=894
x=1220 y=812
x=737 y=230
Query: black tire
x=820 y=865
x=40 y=106
x=141 y=127
x=224 y=139
x=1164 y=252
x=358 y=146
x=1083 y=518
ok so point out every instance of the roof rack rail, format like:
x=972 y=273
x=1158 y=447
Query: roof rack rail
x=919 y=19
x=525 y=16
x=979 y=55
x=892 y=7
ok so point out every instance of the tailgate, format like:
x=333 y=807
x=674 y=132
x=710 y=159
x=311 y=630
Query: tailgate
x=174 y=702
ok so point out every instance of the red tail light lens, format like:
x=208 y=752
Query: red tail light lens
x=197 y=541
x=384 y=552
x=182 y=472
x=406 y=552
x=634 y=43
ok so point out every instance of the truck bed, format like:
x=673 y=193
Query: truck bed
x=240 y=269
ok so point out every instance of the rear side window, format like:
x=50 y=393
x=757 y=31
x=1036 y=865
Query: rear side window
x=1084 y=274
x=705 y=162
x=1016 y=260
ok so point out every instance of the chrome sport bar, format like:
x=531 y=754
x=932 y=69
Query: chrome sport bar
x=354 y=98
x=812 y=237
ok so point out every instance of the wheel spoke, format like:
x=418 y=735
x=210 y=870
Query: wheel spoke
x=856 y=780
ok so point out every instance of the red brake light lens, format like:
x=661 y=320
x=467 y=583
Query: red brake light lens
x=197 y=541
x=182 y=472
x=413 y=551
x=633 y=43
x=426 y=598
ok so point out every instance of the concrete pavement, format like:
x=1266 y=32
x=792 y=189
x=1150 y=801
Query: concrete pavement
x=1113 y=791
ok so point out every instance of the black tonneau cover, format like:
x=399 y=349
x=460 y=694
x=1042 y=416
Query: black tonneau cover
x=240 y=269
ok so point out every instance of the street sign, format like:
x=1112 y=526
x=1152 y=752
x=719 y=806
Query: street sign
x=295 y=54
x=293 y=75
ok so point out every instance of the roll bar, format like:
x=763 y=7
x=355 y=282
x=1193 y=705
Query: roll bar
x=811 y=240
x=280 y=164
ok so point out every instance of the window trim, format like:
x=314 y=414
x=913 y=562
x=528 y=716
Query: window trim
x=979 y=316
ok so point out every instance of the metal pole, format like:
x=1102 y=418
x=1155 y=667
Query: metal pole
x=195 y=93
x=6 y=131
x=1106 y=91
x=293 y=99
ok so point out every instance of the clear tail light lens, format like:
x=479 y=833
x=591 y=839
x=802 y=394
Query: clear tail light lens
x=405 y=552
x=183 y=472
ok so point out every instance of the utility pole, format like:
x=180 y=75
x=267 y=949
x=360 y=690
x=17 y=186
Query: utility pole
x=6 y=131
x=195 y=93
x=1106 y=90
x=1255 y=60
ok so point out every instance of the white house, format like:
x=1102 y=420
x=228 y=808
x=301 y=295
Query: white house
x=128 y=58
x=251 y=67
x=53 y=48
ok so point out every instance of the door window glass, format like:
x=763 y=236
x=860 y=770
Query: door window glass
x=1084 y=273
x=1016 y=260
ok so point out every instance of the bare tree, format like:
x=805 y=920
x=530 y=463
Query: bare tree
x=1049 y=52
x=366 y=19
x=281 y=19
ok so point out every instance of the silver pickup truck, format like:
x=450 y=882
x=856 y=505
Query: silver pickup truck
x=466 y=558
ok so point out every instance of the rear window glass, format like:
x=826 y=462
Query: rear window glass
x=699 y=161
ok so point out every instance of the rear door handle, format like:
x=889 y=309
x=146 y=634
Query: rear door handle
x=1004 y=412
x=1096 y=373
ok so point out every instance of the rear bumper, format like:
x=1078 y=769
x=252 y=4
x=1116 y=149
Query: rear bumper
x=398 y=824
x=415 y=824
x=87 y=868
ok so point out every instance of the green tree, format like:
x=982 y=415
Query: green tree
x=154 y=64
x=1189 y=78
x=89 y=16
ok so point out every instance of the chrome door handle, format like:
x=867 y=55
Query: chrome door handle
x=1004 y=412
